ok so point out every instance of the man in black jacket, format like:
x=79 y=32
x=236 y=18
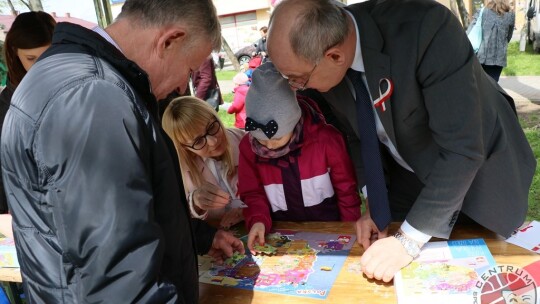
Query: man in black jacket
x=93 y=182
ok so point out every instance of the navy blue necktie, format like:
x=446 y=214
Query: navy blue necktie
x=379 y=207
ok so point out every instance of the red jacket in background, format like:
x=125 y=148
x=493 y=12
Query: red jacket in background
x=238 y=106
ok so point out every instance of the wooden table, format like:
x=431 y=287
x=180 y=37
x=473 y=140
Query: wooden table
x=349 y=287
x=353 y=287
x=9 y=277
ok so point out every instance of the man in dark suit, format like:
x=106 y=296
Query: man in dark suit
x=448 y=136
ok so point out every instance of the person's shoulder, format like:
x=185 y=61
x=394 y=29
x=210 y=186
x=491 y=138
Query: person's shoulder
x=329 y=133
x=242 y=89
x=245 y=145
x=235 y=134
x=408 y=10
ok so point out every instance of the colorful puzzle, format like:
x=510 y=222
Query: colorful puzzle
x=296 y=263
x=445 y=272
x=8 y=253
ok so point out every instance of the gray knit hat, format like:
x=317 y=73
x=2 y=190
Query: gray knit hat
x=271 y=106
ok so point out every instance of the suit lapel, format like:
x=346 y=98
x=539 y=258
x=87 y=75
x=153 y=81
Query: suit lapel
x=341 y=101
x=376 y=63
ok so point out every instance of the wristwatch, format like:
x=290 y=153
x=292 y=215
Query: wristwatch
x=410 y=246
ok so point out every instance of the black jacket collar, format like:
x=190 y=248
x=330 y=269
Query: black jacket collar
x=72 y=38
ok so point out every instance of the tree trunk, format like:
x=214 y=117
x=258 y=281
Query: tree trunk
x=12 y=8
x=35 y=5
x=230 y=54
x=26 y=4
x=454 y=9
x=100 y=15
x=107 y=13
x=465 y=20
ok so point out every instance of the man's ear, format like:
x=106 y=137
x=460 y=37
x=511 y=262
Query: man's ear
x=335 y=55
x=170 y=39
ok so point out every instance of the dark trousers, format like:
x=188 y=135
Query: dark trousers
x=494 y=71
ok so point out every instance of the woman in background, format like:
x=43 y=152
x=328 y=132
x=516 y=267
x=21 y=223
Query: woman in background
x=205 y=84
x=29 y=36
x=497 y=27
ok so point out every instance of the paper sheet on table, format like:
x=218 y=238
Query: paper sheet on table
x=527 y=236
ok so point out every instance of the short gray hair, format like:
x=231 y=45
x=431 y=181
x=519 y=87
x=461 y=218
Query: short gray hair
x=199 y=15
x=320 y=25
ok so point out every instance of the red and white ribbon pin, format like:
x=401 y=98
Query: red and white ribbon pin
x=383 y=97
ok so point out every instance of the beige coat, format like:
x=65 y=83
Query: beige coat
x=234 y=136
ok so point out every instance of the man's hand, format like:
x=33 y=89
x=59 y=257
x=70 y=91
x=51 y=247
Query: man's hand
x=209 y=196
x=367 y=232
x=256 y=234
x=384 y=259
x=224 y=245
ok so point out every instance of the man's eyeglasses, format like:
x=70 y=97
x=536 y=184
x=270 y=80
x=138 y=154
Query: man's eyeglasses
x=300 y=86
x=200 y=142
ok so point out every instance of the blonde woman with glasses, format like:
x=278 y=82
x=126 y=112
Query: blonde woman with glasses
x=208 y=154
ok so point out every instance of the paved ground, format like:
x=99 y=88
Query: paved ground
x=524 y=89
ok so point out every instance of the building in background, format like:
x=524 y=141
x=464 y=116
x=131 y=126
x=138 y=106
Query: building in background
x=240 y=19
x=7 y=20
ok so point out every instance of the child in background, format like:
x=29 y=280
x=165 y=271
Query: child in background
x=253 y=64
x=293 y=166
x=238 y=105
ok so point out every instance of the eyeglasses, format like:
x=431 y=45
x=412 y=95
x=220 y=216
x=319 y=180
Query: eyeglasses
x=200 y=142
x=298 y=86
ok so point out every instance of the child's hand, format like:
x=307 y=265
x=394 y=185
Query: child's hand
x=256 y=234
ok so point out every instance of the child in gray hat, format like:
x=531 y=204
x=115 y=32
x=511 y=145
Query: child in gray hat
x=293 y=166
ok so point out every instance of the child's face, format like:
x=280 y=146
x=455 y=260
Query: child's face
x=276 y=143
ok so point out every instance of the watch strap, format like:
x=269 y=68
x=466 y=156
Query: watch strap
x=412 y=248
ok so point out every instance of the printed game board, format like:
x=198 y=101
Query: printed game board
x=445 y=272
x=303 y=264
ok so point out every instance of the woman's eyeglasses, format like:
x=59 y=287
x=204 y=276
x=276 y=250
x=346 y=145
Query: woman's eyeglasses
x=200 y=142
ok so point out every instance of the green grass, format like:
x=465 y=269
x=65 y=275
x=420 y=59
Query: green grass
x=225 y=75
x=531 y=126
x=521 y=63
x=226 y=118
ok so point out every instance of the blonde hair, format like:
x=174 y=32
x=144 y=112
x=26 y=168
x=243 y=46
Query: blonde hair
x=183 y=118
x=499 y=6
